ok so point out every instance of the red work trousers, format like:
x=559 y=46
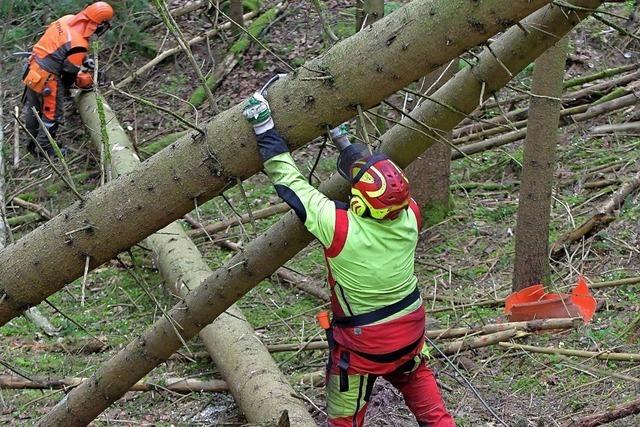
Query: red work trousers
x=414 y=380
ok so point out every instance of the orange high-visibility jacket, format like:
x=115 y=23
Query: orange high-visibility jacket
x=62 y=49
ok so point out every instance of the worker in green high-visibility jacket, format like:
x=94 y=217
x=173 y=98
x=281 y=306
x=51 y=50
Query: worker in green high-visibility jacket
x=369 y=245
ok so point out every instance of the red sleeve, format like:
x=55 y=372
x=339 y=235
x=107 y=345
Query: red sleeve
x=416 y=212
x=339 y=234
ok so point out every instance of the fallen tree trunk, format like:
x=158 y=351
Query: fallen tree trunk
x=261 y=257
x=607 y=107
x=33 y=207
x=616 y=413
x=572 y=116
x=578 y=81
x=382 y=59
x=600 y=355
x=255 y=381
x=176 y=385
x=569 y=100
x=633 y=127
x=603 y=216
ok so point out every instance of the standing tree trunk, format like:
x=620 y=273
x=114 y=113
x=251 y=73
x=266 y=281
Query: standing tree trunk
x=198 y=167
x=4 y=227
x=261 y=257
x=368 y=12
x=235 y=13
x=531 y=264
x=429 y=173
x=253 y=377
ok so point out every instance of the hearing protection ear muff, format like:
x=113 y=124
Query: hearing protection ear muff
x=357 y=205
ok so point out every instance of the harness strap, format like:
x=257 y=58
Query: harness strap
x=344 y=374
x=379 y=314
x=392 y=356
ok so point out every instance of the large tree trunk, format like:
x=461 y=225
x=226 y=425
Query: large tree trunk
x=429 y=173
x=284 y=239
x=235 y=13
x=255 y=381
x=531 y=264
x=361 y=70
x=368 y=12
x=4 y=227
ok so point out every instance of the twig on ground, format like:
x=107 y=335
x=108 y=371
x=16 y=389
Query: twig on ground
x=600 y=355
x=33 y=207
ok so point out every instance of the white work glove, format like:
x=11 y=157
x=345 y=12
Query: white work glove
x=340 y=136
x=258 y=113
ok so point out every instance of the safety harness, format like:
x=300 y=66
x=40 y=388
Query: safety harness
x=369 y=318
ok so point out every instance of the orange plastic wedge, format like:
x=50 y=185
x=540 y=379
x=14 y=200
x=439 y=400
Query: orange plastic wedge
x=534 y=303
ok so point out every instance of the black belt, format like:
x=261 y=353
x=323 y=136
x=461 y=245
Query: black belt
x=377 y=315
x=390 y=357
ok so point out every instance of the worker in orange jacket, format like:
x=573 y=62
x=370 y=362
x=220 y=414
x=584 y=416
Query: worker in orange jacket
x=58 y=61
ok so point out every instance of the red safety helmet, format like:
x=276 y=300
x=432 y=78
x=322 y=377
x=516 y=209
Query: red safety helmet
x=378 y=186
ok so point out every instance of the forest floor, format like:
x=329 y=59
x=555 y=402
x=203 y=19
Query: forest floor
x=465 y=258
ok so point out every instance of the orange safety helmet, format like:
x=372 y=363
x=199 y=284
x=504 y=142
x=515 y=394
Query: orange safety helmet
x=99 y=12
x=379 y=187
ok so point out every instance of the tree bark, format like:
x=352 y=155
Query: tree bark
x=386 y=57
x=177 y=385
x=531 y=264
x=4 y=227
x=368 y=12
x=253 y=377
x=516 y=49
x=429 y=174
x=235 y=13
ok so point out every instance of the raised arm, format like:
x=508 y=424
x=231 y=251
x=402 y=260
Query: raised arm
x=314 y=209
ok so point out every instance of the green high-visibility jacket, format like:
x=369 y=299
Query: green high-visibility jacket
x=370 y=262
